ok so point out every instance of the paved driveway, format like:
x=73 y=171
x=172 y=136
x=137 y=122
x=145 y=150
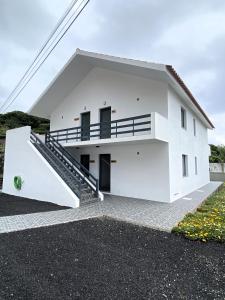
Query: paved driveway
x=156 y=215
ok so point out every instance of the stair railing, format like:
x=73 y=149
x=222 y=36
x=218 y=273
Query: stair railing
x=36 y=140
x=92 y=182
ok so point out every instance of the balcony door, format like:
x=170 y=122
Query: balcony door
x=104 y=172
x=85 y=126
x=105 y=123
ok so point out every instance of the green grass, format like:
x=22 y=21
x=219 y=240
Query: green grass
x=208 y=222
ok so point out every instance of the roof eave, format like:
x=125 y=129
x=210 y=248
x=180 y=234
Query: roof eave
x=180 y=82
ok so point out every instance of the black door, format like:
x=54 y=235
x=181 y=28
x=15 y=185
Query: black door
x=84 y=160
x=105 y=121
x=104 y=172
x=85 y=126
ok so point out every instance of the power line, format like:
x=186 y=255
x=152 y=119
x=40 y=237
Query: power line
x=42 y=51
x=55 y=38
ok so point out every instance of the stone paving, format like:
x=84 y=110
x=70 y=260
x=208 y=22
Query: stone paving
x=157 y=215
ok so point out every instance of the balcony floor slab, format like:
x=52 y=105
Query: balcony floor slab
x=147 y=138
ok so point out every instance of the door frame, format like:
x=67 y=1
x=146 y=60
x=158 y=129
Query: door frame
x=100 y=110
x=100 y=173
x=88 y=138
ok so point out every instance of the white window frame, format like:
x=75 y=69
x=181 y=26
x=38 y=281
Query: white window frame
x=183 y=116
x=185 y=165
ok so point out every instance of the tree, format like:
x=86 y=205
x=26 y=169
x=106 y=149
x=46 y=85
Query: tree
x=221 y=156
x=214 y=157
x=17 y=119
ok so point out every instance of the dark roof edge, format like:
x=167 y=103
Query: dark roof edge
x=172 y=71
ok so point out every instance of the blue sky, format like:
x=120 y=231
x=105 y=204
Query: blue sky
x=190 y=35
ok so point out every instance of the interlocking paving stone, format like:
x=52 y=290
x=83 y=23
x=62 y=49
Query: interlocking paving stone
x=157 y=215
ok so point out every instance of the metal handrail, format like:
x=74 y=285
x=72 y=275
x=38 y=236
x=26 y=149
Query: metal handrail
x=80 y=168
x=35 y=139
x=105 y=123
x=112 y=128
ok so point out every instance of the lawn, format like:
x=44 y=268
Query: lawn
x=106 y=259
x=208 y=222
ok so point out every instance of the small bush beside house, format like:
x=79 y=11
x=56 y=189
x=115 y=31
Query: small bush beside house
x=208 y=222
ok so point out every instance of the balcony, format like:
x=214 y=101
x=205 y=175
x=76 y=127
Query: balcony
x=151 y=126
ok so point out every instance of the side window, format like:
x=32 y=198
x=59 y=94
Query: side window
x=196 y=166
x=183 y=118
x=194 y=127
x=185 y=165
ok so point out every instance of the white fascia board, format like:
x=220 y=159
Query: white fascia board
x=121 y=60
x=52 y=83
x=83 y=62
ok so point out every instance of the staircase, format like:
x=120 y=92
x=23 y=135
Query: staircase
x=80 y=180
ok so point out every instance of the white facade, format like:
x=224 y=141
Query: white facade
x=137 y=170
x=161 y=163
x=185 y=141
x=40 y=181
x=102 y=88
x=146 y=165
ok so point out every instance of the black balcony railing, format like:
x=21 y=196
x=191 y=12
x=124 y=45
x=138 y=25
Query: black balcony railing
x=116 y=128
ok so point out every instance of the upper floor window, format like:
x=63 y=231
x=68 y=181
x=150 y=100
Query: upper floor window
x=196 y=166
x=185 y=165
x=194 y=127
x=183 y=118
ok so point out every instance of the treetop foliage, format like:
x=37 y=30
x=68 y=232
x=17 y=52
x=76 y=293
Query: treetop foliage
x=217 y=154
x=17 y=119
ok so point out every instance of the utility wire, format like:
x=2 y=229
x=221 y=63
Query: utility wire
x=55 y=38
x=35 y=62
x=41 y=50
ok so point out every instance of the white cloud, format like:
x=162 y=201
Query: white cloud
x=217 y=136
x=187 y=34
x=194 y=34
x=201 y=78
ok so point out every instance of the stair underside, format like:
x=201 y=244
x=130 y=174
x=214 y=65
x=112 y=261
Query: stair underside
x=72 y=179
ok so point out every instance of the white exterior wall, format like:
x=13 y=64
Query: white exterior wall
x=102 y=88
x=140 y=176
x=40 y=181
x=183 y=141
x=144 y=175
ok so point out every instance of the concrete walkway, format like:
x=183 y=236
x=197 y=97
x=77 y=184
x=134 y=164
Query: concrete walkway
x=162 y=216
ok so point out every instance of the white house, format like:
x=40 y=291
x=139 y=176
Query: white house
x=134 y=126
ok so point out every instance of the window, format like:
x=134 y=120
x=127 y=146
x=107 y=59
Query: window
x=194 y=126
x=196 y=166
x=185 y=165
x=183 y=118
